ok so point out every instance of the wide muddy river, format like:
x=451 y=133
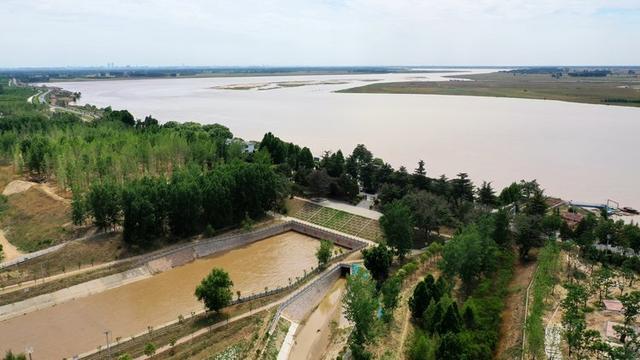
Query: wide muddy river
x=78 y=326
x=577 y=151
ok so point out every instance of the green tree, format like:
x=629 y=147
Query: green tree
x=419 y=178
x=486 y=195
x=215 y=290
x=601 y=282
x=536 y=204
x=573 y=320
x=421 y=347
x=469 y=255
x=397 y=224
x=78 y=208
x=149 y=349
x=360 y=304
x=144 y=210
x=122 y=116
x=103 y=203
x=378 y=260
x=390 y=296
x=450 y=348
x=428 y=211
x=35 y=151
x=528 y=233
x=305 y=159
x=184 y=203
x=319 y=182
x=451 y=321
x=323 y=254
x=9 y=355
x=501 y=228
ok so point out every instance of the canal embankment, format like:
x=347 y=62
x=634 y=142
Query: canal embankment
x=148 y=300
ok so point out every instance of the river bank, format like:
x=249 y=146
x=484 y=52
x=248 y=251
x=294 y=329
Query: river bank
x=550 y=141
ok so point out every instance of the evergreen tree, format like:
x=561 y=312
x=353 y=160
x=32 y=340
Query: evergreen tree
x=486 y=195
x=378 y=260
x=397 y=225
x=450 y=348
x=450 y=321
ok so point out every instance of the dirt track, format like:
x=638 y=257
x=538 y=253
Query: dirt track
x=509 y=345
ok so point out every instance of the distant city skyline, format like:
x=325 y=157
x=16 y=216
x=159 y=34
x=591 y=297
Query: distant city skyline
x=61 y=33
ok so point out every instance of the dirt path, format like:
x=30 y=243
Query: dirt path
x=513 y=315
x=405 y=331
x=9 y=251
x=18 y=186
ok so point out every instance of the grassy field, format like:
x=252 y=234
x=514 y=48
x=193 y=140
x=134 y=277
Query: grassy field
x=335 y=219
x=623 y=90
x=34 y=220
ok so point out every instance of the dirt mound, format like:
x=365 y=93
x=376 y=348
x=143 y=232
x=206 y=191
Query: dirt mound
x=17 y=186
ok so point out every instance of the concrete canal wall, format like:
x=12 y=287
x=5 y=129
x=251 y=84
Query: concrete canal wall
x=167 y=259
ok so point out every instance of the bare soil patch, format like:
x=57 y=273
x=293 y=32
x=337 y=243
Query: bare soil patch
x=17 y=186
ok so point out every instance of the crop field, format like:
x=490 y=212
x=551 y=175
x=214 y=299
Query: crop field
x=335 y=219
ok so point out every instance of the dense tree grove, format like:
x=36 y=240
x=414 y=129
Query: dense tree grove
x=465 y=327
x=186 y=203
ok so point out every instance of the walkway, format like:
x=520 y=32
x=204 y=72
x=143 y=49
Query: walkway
x=8 y=250
x=352 y=209
x=30 y=283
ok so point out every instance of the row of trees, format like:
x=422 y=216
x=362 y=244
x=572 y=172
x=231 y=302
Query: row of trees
x=190 y=201
x=591 y=230
x=76 y=153
x=586 y=343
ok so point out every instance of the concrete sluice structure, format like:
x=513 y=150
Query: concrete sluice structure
x=310 y=312
x=73 y=321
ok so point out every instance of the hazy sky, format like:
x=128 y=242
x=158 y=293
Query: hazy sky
x=323 y=32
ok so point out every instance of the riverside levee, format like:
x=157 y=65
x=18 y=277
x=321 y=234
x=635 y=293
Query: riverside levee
x=77 y=326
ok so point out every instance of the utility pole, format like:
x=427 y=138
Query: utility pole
x=106 y=334
x=29 y=351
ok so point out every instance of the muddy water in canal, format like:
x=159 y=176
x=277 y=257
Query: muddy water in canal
x=314 y=334
x=78 y=326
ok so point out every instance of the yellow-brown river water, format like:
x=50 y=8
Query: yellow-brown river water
x=78 y=326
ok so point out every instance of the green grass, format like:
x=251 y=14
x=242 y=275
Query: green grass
x=611 y=90
x=544 y=281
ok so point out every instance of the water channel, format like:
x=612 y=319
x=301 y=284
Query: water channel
x=314 y=335
x=78 y=326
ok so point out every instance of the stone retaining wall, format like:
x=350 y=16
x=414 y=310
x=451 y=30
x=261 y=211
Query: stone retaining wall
x=298 y=309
